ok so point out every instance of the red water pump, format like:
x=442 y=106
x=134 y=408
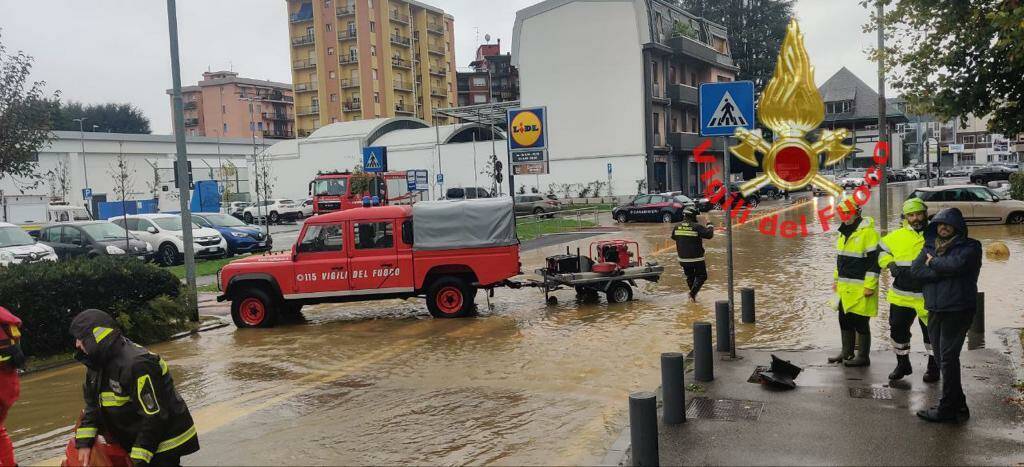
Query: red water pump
x=613 y=255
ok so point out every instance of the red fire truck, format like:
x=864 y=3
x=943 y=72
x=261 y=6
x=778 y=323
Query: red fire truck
x=441 y=251
x=337 y=191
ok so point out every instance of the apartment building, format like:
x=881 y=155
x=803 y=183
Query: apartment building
x=363 y=59
x=218 y=106
x=850 y=103
x=490 y=78
x=619 y=79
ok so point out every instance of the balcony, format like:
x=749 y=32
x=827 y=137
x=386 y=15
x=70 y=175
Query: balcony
x=305 y=63
x=398 y=17
x=403 y=109
x=310 y=110
x=351 y=106
x=682 y=94
x=348 y=34
x=685 y=141
x=305 y=87
x=438 y=71
x=282 y=116
x=280 y=134
x=349 y=83
x=685 y=47
x=435 y=28
x=190 y=105
x=399 y=62
x=302 y=40
x=403 y=85
x=348 y=59
x=401 y=40
x=658 y=95
x=345 y=10
x=191 y=122
x=435 y=49
x=438 y=93
x=278 y=96
x=299 y=18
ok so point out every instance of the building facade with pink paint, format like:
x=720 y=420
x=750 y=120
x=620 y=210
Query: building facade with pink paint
x=219 y=106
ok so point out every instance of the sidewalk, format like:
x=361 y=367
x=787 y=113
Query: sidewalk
x=822 y=422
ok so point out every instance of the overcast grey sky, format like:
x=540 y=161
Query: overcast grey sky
x=98 y=51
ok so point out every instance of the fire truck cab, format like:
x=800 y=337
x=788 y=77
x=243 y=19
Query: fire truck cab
x=336 y=191
x=442 y=251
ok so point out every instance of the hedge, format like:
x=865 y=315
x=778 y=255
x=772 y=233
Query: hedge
x=1017 y=185
x=145 y=300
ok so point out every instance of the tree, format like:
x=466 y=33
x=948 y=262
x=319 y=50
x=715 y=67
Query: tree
x=957 y=58
x=123 y=177
x=59 y=179
x=24 y=122
x=756 y=29
x=109 y=117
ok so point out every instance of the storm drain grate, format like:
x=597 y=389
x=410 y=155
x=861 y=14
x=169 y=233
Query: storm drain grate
x=755 y=377
x=724 y=409
x=873 y=392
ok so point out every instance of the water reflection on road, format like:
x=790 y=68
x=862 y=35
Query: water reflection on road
x=523 y=383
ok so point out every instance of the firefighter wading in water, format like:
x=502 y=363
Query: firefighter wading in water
x=906 y=300
x=690 y=249
x=856 y=282
x=129 y=396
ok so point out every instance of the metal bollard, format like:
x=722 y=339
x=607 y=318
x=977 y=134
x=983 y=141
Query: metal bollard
x=747 y=304
x=643 y=428
x=673 y=393
x=978 y=324
x=703 y=366
x=722 y=326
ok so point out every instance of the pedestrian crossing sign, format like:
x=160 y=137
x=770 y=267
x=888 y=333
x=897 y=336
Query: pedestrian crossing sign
x=375 y=159
x=724 y=107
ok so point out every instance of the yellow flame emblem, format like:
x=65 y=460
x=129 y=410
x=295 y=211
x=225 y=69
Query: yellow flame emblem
x=791 y=106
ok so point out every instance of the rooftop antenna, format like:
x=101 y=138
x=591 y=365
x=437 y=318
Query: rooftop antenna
x=477 y=29
x=231 y=66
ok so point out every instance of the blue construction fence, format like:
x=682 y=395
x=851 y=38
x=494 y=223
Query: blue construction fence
x=109 y=209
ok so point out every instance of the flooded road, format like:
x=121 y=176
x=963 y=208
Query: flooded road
x=523 y=383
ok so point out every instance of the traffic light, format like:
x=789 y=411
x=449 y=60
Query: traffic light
x=499 y=175
x=190 y=183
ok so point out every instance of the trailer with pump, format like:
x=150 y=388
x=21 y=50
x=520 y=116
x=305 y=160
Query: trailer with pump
x=611 y=267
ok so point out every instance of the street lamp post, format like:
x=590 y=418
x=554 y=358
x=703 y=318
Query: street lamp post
x=85 y=168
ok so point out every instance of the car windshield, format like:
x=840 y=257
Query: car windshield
x=104 y=231
x=80 y=214
x=223 y=220
x=331 y=187
x=14 y=236
x=683 y=199
x=171 y=223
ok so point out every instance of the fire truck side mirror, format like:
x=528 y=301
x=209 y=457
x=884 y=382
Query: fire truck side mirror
x=310 y=188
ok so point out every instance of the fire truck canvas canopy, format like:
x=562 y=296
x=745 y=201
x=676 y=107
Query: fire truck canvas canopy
x=474 y=223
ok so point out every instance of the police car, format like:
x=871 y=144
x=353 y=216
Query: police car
x=653 y=208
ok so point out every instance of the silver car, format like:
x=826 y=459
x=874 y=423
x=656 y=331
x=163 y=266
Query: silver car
x=536 y=204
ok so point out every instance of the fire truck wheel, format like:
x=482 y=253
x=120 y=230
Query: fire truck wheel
x=451 y=297
x=619 y=292
x=253 y=308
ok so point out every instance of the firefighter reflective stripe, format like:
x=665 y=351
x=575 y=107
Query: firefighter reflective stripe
x=857 y=254
x=177 y=440
x=85 y=433
x=847 y=280
x=100 y=332
x=690 y=260
x=905 y=264
x=163 y=367
x=142 y=454
x=147 y=395
x=871 y=274
x=901 y=348
x=904 y=293
x=4 y=358
x=109 y=399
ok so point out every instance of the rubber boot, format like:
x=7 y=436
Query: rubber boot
x=847 y=352
x=903 y=368
x=931 y=375
x=863 y=352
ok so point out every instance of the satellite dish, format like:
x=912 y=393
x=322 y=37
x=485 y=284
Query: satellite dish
x=487 y=37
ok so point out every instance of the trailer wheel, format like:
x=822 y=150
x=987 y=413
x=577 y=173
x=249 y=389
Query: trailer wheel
x=253 y=308
x=586 y=295
x=619 y=292
x=451 y=297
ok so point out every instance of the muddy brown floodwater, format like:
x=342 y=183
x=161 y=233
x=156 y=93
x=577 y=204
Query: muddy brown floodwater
x=522 y=383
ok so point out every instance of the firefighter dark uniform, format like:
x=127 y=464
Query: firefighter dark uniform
x=11 y=358
x=689 y=237
x=906 y=299
x=856 y=271
x=129 y=394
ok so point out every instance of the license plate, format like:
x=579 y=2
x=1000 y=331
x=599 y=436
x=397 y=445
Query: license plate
x=261 y=244
x=214 y=249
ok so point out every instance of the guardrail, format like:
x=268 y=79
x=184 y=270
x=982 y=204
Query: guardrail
x=575 y=216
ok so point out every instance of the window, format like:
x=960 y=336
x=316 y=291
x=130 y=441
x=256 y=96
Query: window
x=71 y=235
x=376 y=97
x=334 y=97
x=373 y=26
x=646 y=199
x=654 y=70
x=479 y=98
x=225 y=128
x=479 y=81
x=332 y=74
x=981 y=194
x=968 y=139
x=657 y=125
x=693 y=79
x=259 y=126
x=329 y=27
x=223 y=109
x=309 y=31
x=693 y=124
x=322 y=238
x=373 y=51
x=407 y=232
x=672 y=74
x=330 y=51
x=370 y=235
x=675 y=124
x=373 y=74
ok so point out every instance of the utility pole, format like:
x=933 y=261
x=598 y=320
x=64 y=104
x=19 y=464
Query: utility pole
x=883 y=133
x=183 y=182
x=85 y=168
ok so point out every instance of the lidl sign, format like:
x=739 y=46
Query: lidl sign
x=527 y=128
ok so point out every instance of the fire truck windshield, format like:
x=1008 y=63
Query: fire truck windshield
x=331 y=187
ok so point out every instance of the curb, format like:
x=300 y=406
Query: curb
x=618 y=454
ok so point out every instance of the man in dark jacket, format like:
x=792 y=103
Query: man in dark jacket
x=948 y=266
x=689 y=237
x=129 y=396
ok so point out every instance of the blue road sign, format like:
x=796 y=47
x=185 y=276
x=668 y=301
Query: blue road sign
x=440 y=178
x=375 y=159
x=724 y=107
x=86 y=193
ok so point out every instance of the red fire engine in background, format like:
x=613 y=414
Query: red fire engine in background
x=333 y=191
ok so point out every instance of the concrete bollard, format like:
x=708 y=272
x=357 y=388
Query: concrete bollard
x=703 y=365
x=747 y=304
x=643 y=428
x=978 y=323
x=673 y=394
x=722 y=326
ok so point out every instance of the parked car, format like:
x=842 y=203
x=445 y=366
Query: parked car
x=990 y=174
x=536 y=204
x=92 y=239
x=652 y=208
x=67 y=213
x=978 y=204
x=852 y=179
x=307 y=208
x=275 y=210
x=235 y=208
x=241 y=237
x=956 y=172
x=705 y=204
x=911 y=173
x=18 y=247
x=469 y=192
x=1012 y=165
x=164 y=233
